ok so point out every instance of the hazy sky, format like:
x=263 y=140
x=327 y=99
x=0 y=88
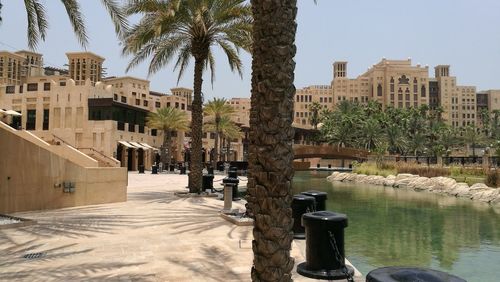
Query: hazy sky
x=462 y=33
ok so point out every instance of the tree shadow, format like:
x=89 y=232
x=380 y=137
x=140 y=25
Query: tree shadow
x=215 y=264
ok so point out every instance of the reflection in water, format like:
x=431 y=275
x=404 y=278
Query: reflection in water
x=398 y=227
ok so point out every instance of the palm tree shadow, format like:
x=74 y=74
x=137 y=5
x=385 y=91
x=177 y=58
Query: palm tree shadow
x=215 y=264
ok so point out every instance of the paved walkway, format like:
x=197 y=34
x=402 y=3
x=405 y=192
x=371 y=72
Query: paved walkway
x=154 y=236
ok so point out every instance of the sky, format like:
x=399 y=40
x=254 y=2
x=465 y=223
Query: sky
x=462 y=33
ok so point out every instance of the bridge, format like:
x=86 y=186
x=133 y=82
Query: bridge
x=328 y=152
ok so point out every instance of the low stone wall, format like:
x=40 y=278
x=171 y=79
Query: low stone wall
x=439 y=185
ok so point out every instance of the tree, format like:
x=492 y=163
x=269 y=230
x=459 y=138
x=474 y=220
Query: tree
x=185 y=29
x=168 y=120
x=229 y=131
x=38 y=23
x=271 y=138
x=471 y=137
x=314 y=110
x=216 y=110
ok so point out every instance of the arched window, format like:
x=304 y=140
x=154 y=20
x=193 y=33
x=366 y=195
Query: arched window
x=415 y=85
x=379 y=90
x=392 y=85
x=422 y=91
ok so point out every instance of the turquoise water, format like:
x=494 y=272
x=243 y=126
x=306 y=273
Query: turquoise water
x=390 y=227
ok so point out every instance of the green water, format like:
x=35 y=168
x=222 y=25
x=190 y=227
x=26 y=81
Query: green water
x=389 y=227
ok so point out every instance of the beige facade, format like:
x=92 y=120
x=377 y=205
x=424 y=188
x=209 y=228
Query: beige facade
x=399 y=84
x=304 y=98
x=102 y=117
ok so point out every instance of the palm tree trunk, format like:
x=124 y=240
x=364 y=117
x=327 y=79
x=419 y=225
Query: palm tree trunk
x=163 y=153
x=216 y=146
x=195 y=173
x=271 y=138
x=167 y=143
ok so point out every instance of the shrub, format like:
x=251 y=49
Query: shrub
x=493 y=178
x=424 y=171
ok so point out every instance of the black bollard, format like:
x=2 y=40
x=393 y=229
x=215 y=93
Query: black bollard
x=141 y=168
x=301 y=204
x=182 y=170
x=208 y=182
x=325 y=255
x=320 y=198
x=402 y=274
x=154 y=169
x=171 y=167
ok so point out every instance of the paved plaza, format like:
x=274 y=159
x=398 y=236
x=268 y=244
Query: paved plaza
x=154 y=236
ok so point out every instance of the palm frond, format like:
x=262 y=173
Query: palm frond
x=117 y=14
x=77 y=21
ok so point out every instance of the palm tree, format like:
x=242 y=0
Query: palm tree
x=271 y=138
x=229 y=131
x=314 y=109
x=168 y=120
x=216 y=110
x=38 y=24
x=370 y=134
x=185 y=29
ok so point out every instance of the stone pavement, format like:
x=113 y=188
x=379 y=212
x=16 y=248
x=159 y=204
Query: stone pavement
x=154 y=236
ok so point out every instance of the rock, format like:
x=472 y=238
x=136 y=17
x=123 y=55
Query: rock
x=360 y=178
x=486 y=195
x=442 y=184
x=419 y=183
x=351 y=177
x=403 y=179
x=496 y=201
x=378 y=180
x=460 y=189
x=338 y=176
x=479 y=187
x=332 y=176
x=389 y=180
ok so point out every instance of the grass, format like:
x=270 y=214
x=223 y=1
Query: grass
x=370 y=168
x=469 y=175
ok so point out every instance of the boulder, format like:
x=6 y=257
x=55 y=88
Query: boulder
x=378 y=180
x=419 y=183
x=332 y=176
x=460 y=189
x=486 y=195
x=442 y=184
x=403 y=179
x=360 y=178
x=389 y=180
x=351 y=177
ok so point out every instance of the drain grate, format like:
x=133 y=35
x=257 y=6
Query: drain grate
x=34 y=255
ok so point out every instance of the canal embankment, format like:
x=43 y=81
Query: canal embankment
x=438 y=185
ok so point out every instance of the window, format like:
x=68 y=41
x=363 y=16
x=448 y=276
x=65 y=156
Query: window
x=379 y=90
x=168 y=104
x=123 y=99
x=422 y=91
x=212 y=135
x=10 y=89
x=183 y=106
x=32 y=86
x=45 y=119
x=154 y=132
x=176 y=105
x=46 y=86
x=137 y=102
x=134 y=93
x=157 y=104
x=62 y=83
x=145 y=103
x=115 y=97
x=321 y=99
x=31 y=120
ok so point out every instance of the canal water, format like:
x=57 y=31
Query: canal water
x=397 y=227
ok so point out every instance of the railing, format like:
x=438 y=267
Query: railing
x=109 y=161
x=62 y=140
